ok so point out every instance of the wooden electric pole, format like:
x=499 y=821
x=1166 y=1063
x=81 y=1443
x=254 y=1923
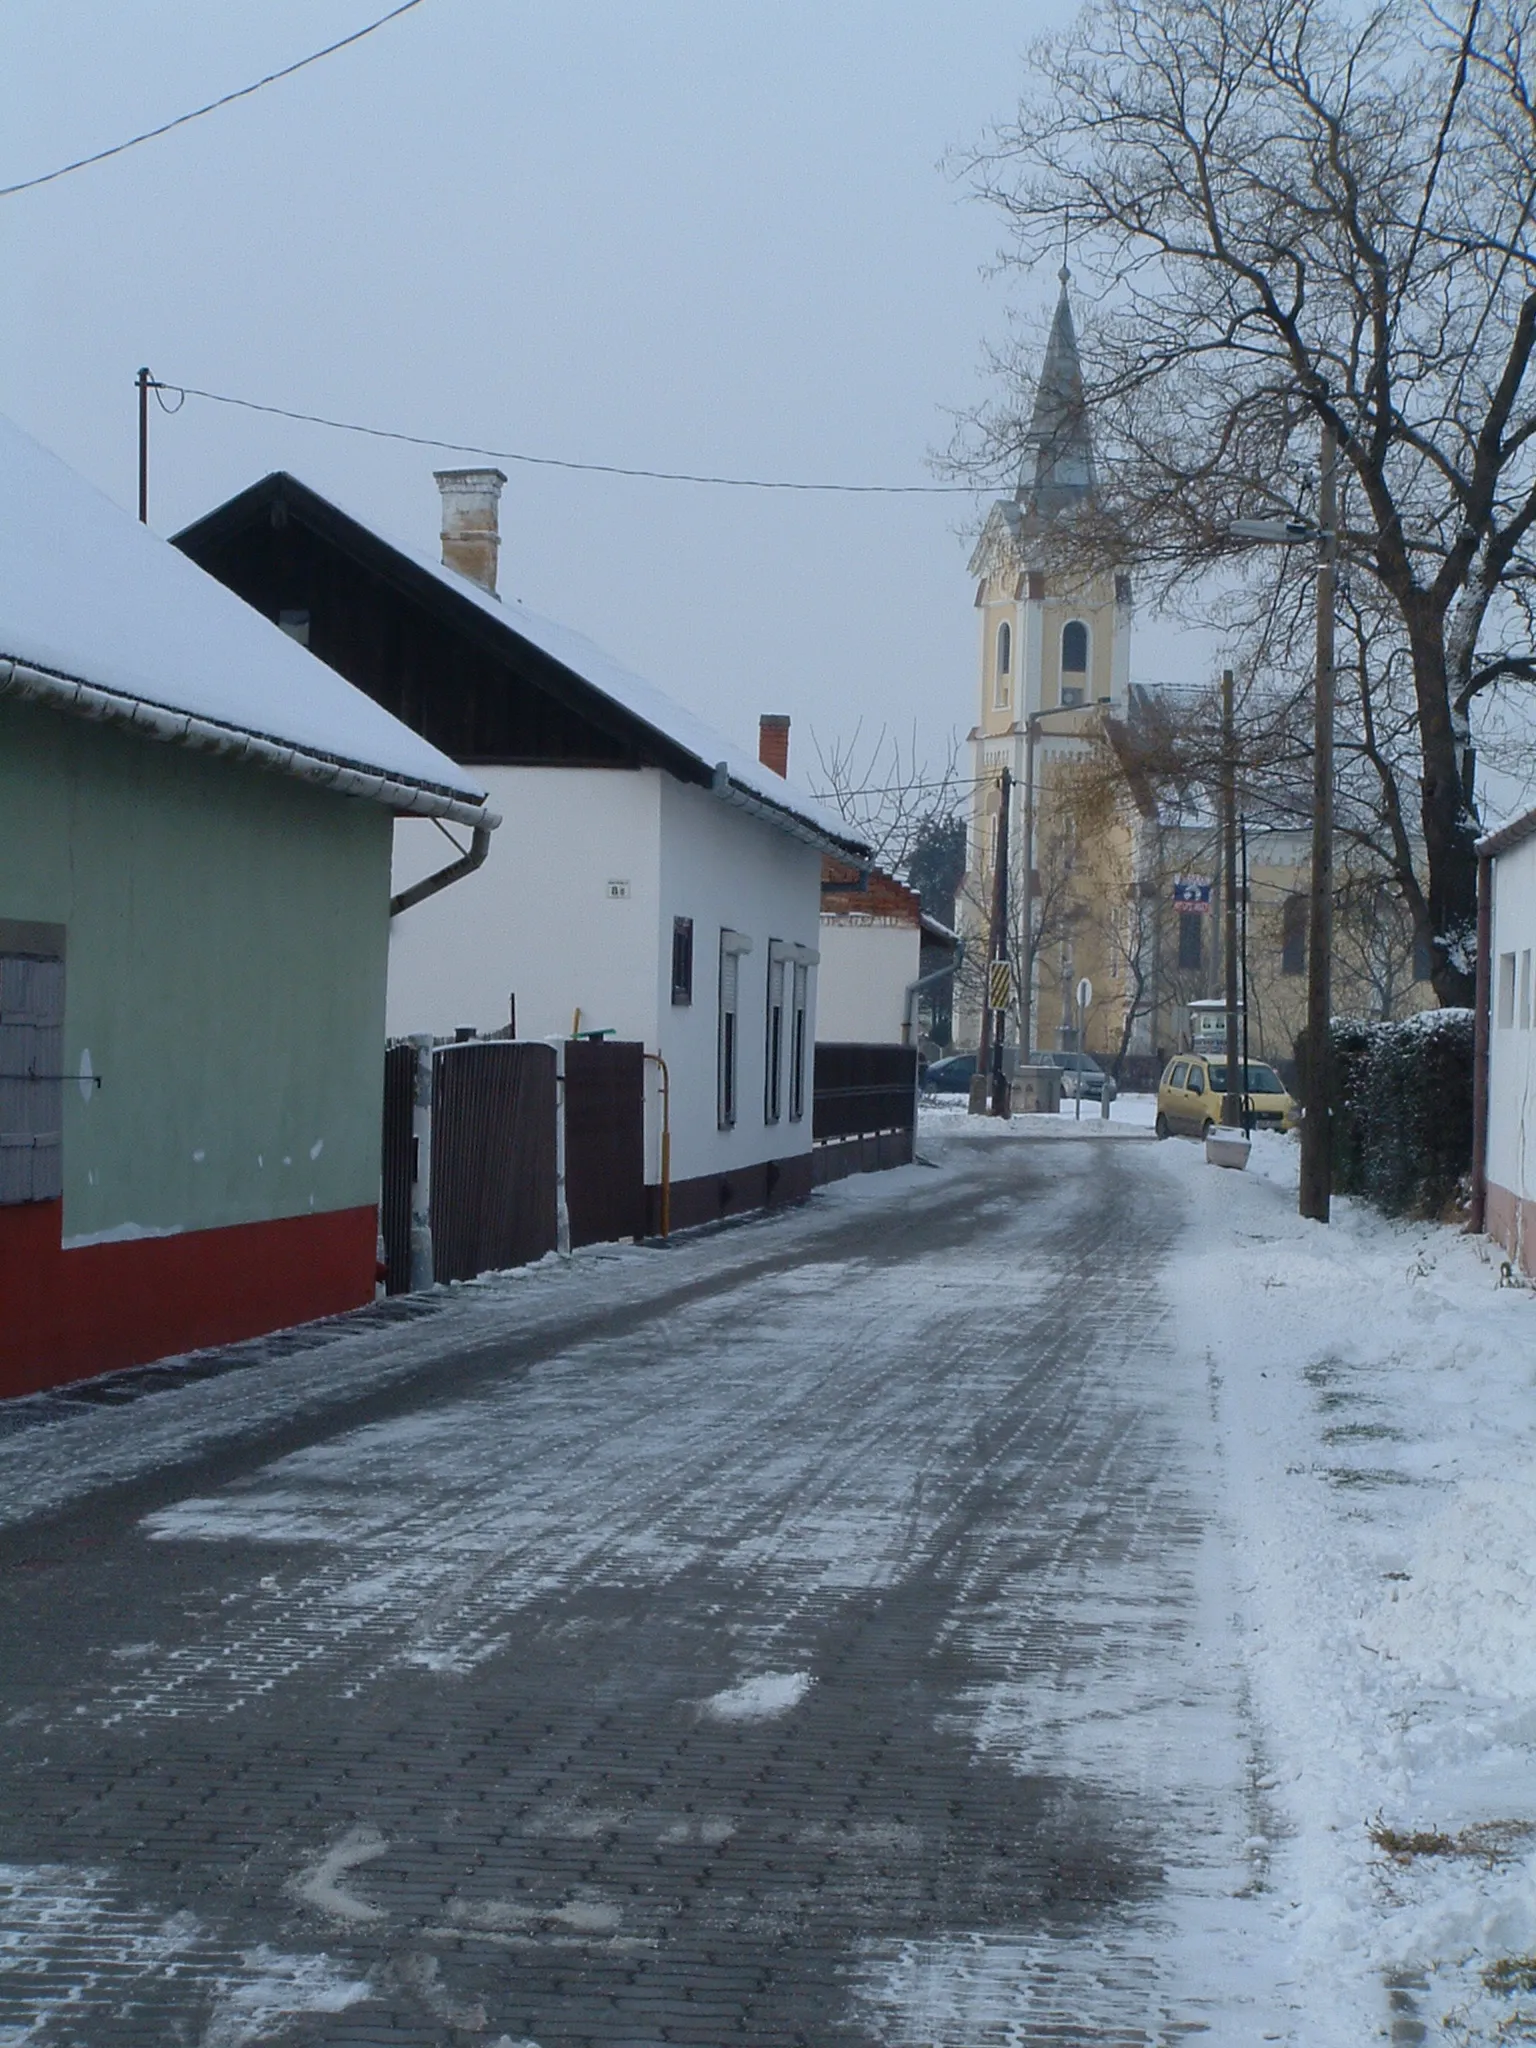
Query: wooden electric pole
x=1237 y=1080
x=1317 y=1123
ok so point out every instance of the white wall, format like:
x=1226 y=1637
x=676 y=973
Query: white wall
x=538 y=920
x=1512 y=1045
x=727 y=870
x=866 y=970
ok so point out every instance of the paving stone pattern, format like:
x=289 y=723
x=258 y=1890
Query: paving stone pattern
x=825 y=1658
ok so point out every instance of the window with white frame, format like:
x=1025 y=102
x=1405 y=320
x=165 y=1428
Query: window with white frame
x=1525 y=990
x=1004 y=667
x=773 y=1038
x=1506 y=989
x=728 y=1040
x=1074 y=662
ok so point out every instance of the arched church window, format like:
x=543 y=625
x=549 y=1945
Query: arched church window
x=1074 y=648
x=1004 y=648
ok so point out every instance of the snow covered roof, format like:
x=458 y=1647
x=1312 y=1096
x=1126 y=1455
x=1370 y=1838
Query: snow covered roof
x=132 y=629
x=735 y=775
x=1509 y=836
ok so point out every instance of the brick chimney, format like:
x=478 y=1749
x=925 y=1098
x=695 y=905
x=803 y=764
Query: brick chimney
x=471 y=538
x=773 y=742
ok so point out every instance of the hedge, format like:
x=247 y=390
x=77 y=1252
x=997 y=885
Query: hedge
x=1401 y=1096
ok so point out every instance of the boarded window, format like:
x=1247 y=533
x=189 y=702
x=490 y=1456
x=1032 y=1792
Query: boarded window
x=1293 y=936
x=1191 y=940
x=31 y=1085
x=682 y=960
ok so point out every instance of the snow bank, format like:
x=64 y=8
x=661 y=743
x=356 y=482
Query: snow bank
x=1375 y=1392
x=1465 y=1616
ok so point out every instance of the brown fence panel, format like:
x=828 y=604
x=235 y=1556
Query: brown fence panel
x=604 y=1140
x=862 y=1089
x=493 y=1157
x=398 y=1166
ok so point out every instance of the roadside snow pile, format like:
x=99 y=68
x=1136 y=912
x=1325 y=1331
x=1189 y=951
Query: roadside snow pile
x=1376 y=1398
x=1466 y=1615
x=760 y=1698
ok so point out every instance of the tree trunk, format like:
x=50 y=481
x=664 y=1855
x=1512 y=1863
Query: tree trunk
x=1449 y=829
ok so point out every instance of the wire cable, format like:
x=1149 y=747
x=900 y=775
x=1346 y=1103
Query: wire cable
x=668 y=476
x=225 y=100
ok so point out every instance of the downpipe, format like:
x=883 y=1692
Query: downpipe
x=456 y=870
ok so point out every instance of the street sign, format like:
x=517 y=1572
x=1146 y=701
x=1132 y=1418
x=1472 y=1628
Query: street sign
x=999 y=985
x=1084 y=995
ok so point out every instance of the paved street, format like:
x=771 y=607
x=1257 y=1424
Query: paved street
x=820 y=1633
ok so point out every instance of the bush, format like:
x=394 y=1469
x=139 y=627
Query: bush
x=1401 y=1096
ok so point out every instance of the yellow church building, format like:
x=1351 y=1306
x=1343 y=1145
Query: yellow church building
x=1126 y=889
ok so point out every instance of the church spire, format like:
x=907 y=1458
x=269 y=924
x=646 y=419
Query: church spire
x=1058 y=429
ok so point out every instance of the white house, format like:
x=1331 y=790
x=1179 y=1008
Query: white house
x=878 y=951
x=648 y=881
x=1507 y=873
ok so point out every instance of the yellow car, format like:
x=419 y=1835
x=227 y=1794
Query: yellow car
x=1189 y=1096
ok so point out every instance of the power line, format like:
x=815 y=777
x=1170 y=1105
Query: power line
x=669 y=476
x=197 y=113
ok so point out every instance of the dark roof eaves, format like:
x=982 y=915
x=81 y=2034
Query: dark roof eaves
x=372 y=551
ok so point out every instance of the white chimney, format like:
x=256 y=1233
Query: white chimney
x=471 y=536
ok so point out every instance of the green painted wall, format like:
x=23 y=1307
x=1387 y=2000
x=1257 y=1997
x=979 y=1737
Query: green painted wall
x=227 y=939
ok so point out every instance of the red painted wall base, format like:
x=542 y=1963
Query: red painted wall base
x=70 y=1315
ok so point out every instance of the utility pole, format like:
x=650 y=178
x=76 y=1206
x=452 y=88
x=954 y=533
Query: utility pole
x=1232 y=1102
x=144 y=383
x=1000 y=941
x=1316 y=1125
x=988 y=1058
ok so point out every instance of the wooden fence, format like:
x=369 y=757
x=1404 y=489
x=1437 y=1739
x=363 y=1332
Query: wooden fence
x=490 y=1116
x=865 y=1109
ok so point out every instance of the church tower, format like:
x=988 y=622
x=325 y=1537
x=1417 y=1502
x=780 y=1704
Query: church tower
x=1054 y=659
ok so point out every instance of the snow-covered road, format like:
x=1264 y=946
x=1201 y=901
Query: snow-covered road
x=937 y=1616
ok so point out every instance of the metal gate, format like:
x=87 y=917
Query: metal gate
x=604 y=1140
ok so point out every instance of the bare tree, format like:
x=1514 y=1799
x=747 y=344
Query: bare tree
x=1300 y=214
x=884 y=788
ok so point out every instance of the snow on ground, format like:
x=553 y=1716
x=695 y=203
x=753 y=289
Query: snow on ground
x=1376 y=1398
x=760 y=1698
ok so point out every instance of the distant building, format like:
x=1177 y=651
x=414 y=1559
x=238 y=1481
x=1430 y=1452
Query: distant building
x=1127 y=885
x=1055 y=654
x=195 y=838
x=649 y=881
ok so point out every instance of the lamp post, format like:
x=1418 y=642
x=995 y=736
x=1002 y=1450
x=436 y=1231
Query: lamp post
x=1032 y=723
x=1316 y=1132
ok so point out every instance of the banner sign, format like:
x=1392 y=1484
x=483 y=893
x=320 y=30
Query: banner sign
x=1192 y=892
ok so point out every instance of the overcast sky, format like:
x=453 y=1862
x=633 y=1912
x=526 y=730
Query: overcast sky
x=668 y=233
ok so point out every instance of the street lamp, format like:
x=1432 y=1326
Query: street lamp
x=1316 y=1133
